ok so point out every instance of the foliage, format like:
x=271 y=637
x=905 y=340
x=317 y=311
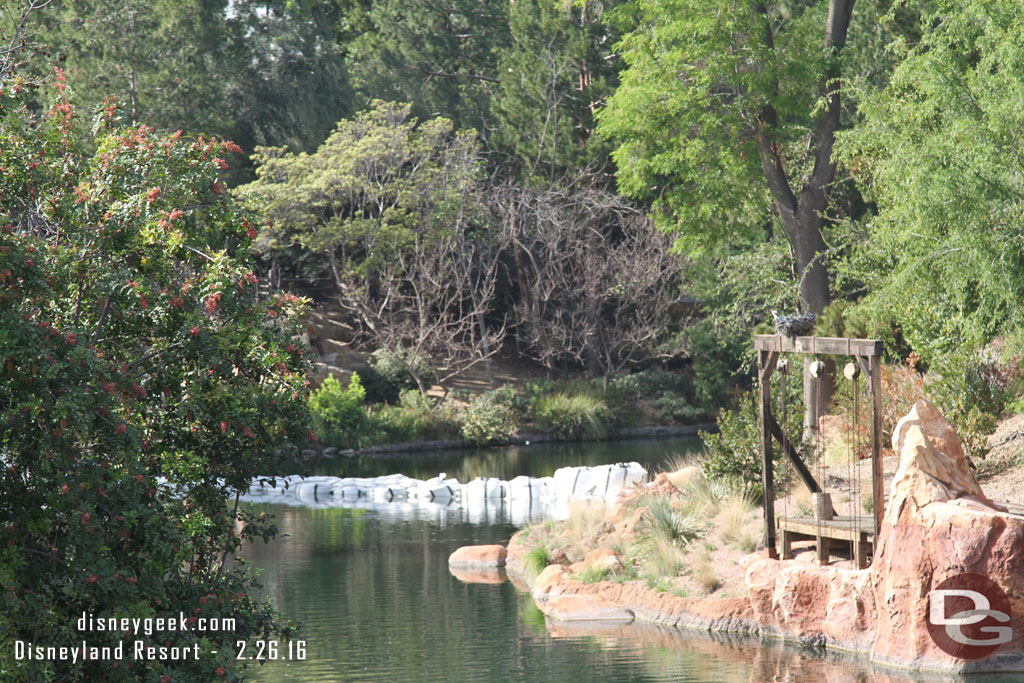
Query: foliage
x=338 y=415
x=143 y=382
x=490 y=416
x=577 y=416
x=387 y=375
x=552 y=77
x=415 y=418
x=733 y=454
x=671 y=522
x=391 y=208
x=535 y=560
x=938 y=152
x=265 y=72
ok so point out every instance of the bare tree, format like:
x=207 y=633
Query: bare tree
x=430 y=303
x=596 y=280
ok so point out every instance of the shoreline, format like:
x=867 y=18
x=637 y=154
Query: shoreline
x=623 y=434
x=601 y=606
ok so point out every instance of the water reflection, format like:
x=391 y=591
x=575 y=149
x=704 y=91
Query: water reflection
x=377 y=602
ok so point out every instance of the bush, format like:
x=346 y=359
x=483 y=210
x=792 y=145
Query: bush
x=576 y=416
x=415 y=418
x=338 y=416
x=387 y=376
x=971 y=391
x=733 y=455
x=491 y=416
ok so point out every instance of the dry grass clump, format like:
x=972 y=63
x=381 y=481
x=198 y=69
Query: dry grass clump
x=702 y=569
x=736 y=512
x=584 y=519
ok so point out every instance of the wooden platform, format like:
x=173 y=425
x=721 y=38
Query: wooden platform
x=857 y=531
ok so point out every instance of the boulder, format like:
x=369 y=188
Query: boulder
x=599 y=559
x=940 y=526
x=478 y=557
x=940 y=532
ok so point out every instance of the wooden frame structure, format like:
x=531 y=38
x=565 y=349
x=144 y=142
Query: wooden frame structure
x=868 y=354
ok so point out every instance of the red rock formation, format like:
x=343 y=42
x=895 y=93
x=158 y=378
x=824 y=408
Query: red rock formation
x=478 y=557
x=939 y=526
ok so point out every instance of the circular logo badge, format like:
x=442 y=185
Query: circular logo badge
x=969 y=616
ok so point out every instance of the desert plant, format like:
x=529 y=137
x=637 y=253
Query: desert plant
x=671 y=522
x=735 y=511
x=702 y=570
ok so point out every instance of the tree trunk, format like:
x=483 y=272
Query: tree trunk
x=803 y=216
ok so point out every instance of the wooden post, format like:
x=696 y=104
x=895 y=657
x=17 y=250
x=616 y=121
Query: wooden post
x=766 y=365
x=877 y=478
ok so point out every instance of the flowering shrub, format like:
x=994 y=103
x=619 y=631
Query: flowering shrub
x=142 y=383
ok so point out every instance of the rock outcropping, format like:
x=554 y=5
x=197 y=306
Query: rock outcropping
x=939 y=526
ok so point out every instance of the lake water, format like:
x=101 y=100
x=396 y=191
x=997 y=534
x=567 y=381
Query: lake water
x=376 y=602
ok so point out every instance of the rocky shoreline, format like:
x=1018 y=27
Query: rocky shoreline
x=939 y=528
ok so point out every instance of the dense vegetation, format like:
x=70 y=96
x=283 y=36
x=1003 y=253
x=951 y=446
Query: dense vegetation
x=602 y=187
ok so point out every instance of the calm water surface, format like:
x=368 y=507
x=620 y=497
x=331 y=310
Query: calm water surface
x=376 y=602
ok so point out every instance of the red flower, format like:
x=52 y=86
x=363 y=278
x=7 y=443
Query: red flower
x=217 y=188
x=224 y=427
x=176 y=301
x=131 y=579
x=193 y=331
x=86 y=517
x=120 y=429
x=152 y=195
x=212 y=303
x=28 y=262
x=139 y=478
x=219 y=671
x=65 y=488
x=93 y=578
x=251 y=231
x=221 y=164
x=229 y=146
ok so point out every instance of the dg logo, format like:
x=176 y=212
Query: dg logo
x=969 y=616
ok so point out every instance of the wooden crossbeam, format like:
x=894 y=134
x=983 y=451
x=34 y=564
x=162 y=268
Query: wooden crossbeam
x=794 y=457
x=834 y=346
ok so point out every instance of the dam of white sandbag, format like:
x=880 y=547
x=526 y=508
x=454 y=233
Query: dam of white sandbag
x=521 y=500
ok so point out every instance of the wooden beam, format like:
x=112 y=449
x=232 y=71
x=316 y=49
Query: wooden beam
x=766 y=365
x=877 y=480
x=835 y=346
x=794 y=457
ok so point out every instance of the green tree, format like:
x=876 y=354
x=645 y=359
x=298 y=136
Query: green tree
x=143 y=383
x=392 y=208
x=441 y=57
x=555 y=74
x=939 y=153
x=726 y=116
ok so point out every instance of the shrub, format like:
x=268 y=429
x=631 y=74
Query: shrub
x=577 y=416
x=387 y=376
x=415 y=418
x=338 y=415
x=733 y=455
x=490 y=416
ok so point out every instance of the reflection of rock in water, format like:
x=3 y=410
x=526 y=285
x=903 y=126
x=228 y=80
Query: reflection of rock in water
x=691 y=654
x=482 y=501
